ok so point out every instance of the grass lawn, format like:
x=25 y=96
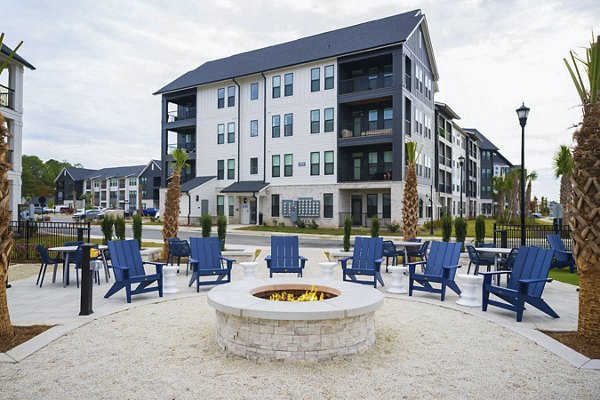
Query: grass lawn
x=563 y=275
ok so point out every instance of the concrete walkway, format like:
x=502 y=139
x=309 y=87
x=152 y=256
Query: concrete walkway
x=54 y=305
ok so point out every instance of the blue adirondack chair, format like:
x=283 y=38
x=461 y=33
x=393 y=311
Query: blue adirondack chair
x=562 y=257
x=206 y=260
x=285 y=257
x=440 y=267
x=366 y=261
x=128 y=269
x=527 y=280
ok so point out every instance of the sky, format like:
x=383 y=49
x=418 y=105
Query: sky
x=90 y=99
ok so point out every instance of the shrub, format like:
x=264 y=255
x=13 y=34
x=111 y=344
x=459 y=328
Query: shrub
x=301 y=224
x=206 y=224
x=393 y=227
x=446 y=228
x=119 y=224
x=313 y=224
x=436 y=224
x=480 y=229
x=106 y=225
x=222 y=229
x=460 y=229
x=374 y=227
x=347 y=232
x=137 y=229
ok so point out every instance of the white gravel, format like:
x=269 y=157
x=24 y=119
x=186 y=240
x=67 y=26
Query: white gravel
x=167 y=350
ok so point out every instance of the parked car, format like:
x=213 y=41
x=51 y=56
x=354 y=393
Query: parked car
x=38 y=210
x=150 y=212
x=48 y=210
x=88 y=214
x=535 y=215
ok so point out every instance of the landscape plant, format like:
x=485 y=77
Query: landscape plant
x=106 y=226
x=410 y=205
x=563 y=169
x=137 y=228
x=460 y=230
x=347 y=233
x=480 y=229
x=393 y=227
x=170 y=216
x=206 y=224
x=374 y=227
x=119 y=224
x=222 y=229
x=446 y=227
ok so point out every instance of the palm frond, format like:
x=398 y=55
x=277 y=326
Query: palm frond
x=10 y=56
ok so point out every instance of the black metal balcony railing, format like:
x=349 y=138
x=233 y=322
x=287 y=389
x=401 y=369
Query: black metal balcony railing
x=189 y=147
x=407 y=128
x=365 y=82
x=6 y=96
x=348 y=133
x=408 y=82
x=181 y=114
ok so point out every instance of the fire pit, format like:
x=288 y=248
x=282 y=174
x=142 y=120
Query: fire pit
x=339 y=322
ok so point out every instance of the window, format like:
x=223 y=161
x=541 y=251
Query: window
x=254 y=166
x=276 y=125
x=288 y=165
x=328 y=156
x=254 y=128
x=386 y=199
x=221 y=98
x=220 y=169
x=275 y=165
x=220 y=205
x=230 y=205
x=387 y=164
x=372 y=163
x=371 y=205
x=114 y=182
x=388 y=114
x=372 y=120
x=314 y=163
x=329 y=77
x=328 y=116
x=274 y=205
x=231 y=168
x=254 y=91
x=388 y=75
x=315 y=121
x=231 y=132
x=357 y=168
x=315 y=79
x=288 y=124
x=220 y=133
x=96 y=183
x=288 y=80
x=132 y=182
x=231 y=96
x=276 y=86
x=328 y=205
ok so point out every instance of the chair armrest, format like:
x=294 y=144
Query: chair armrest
x=344 y=261
x=528 y=281
x=192 y=260
x=567 y=252
x=229 y=261
x=416 y=263
x=492 y=273
x=154 y=262
x=121 y=268
x=451 y=266
x=303 y=258
x=303 y=261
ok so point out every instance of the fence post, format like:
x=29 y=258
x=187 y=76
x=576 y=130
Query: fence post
x=86 y=280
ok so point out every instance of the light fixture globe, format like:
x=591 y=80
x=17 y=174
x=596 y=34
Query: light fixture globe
x=523 y=113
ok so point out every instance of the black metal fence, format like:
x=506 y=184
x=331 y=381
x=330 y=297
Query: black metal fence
x=28 y=234
x=509 y=236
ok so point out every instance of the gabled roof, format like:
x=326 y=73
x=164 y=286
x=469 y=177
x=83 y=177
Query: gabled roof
x=7 y=50
x=155 y=162
x=114 y=172
x=369 y=35
x=484 y=143
x=502 y=158
x=77 y=174
x=445 y=108
x=195 y=182
x=245 y=187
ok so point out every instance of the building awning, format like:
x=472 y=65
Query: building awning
x=245 y=187
x=195 y=182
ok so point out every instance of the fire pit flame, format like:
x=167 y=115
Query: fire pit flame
x=309 y=295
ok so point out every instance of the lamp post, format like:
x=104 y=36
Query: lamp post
x=522 y=113
x=431 y=210
x=461 y=162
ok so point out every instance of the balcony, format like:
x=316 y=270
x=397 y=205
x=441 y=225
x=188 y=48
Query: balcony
x=408 y=82
x=364 y=83
x=347 y=133
x=443 y=188
x=7 y=96
x=182 y=113
x=188 y=147
x=445 y=161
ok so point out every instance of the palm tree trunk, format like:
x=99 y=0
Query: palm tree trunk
x=6 y=328
x=566 y=194
x=171 y=214
x=410 y=207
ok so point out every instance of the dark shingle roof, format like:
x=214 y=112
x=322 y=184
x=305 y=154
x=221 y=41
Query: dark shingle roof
x=484 y=143
x=7 y=50
x=445 y=108
x=245 y=187
x=113 y=172
x=79 y=174
x=365 y=36
x=194 y=183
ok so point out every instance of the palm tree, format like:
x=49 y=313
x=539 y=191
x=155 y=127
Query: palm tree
x=171 y=214
x=6 y=242
x=410 y=206
x=498 y=187
x=585 y=221
x=563 y=169
x=530 y=178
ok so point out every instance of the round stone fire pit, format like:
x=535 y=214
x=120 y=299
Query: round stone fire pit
x=256 y=328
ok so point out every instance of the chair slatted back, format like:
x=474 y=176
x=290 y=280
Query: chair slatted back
x=389 y=248
x=366 y=251
x=126 y=253
x=180 y=248
x=557 y=244
x=442 y=254
x=531 y=263
x=207 y=251
x=43 y=252
x=285 y=252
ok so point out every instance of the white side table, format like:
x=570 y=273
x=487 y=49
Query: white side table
x=249 y=268
x=327 y=269
x=96 y=266
x=397 y=284
x=471 y=290
x=169 y=273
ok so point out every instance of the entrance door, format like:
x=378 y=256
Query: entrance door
x=252 y=212
x=245 y=212
x=203 y=207
x=356 y=210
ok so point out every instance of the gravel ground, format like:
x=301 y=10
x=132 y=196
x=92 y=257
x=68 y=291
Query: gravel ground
x=167 y=351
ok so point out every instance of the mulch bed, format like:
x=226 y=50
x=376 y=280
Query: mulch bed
x=571 y=339
x=22 y=334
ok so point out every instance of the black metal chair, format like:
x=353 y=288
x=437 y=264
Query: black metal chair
x=506 y=264
x=389 y=250
x=179 y=249
x=478 y=260
x=45 y=260
x=421 y=253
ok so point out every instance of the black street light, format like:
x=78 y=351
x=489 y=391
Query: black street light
x=523 y=112
x=461 y=162
x=431 y=210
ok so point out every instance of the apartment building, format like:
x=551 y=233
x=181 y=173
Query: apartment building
x=124 y=188
x=11 y=107
x=312 y=129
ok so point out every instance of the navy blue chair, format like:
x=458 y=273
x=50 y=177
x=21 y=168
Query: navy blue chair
x=366 y=259
x=526 y=284
x=207 y=261
x=420 y=253
x=478 y=260
x=389 y=250
x=180 y=249
x=285 y=256
x=440 y=267
x=562 y=257
x=45 y=260
x=507 y=263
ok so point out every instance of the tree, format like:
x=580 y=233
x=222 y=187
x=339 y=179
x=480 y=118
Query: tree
x=563 y=169
x=410 y=206
x=585 y=221
x=171 y=214
x=498 y=184
x=531 y=177
x=38 y=176
x=6 y=242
